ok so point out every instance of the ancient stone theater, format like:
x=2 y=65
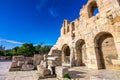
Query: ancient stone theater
x=92 y=40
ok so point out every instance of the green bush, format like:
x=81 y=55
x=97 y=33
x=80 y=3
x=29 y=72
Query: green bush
x=67 y=76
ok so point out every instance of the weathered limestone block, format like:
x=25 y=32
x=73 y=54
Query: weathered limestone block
x=51 y=63
x=54 y=58
x=54 y=61
x=20 y=63
x=43 y=71
x=18 y=58
x=17 y=62
x=37 y=59
x=43 y=63
x=29 y=60
x=27 y=67
x=45 y=57
x=14 y=67
x=14 y=64
x=50 y=68
x=61 y=71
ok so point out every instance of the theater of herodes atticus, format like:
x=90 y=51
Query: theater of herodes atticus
x=92 y=40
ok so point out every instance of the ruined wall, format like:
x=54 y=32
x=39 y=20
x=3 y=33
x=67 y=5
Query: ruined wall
x=90 y=28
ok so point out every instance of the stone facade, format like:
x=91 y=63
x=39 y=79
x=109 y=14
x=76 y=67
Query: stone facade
x=92 y=40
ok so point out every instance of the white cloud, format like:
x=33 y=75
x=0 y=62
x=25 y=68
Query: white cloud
x=10 y=41
x=53 y=13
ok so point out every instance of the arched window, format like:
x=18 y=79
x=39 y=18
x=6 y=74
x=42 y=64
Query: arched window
x=81 y=57
x=66 y=54
x=93 y=9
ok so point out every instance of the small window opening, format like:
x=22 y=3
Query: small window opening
x=64 y=31
x=73 y=26
x=68 y=29
x=93 y=9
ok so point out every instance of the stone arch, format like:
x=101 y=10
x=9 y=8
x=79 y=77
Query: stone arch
x=65 y=54
x=105 y=50
x=80 y=52
x=92 y=9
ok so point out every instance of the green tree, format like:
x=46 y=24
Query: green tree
x=2 y=50
x=27 y=49
x=15 y=50
x=46 y=49
x=38 y=48
x=9 y=52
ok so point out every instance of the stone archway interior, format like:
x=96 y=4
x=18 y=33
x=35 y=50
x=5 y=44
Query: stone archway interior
x=66 y=54
x=81 y=53
x=105 y=51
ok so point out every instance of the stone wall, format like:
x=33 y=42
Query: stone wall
x=100 y=34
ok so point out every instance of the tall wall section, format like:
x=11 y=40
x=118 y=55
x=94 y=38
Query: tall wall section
x=94 y=40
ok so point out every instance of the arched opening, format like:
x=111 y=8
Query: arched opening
x=73 y=26
x=95 y=12
x=105 y=50
x=93 y=9
x=81 y=53
x=66 y=54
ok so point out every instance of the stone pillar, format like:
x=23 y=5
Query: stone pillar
x=117 y=43
x=45 y=57
x=62 y=57
x=91 y=54
x=75 y=54
x=118 y=49
x=72 y=55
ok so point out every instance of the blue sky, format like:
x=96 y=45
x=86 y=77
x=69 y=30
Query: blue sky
x=35 y=21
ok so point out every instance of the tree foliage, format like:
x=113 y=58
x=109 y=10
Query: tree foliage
x=27 y=49
x=2 y=50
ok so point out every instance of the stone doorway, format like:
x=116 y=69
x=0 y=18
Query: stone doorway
x=105 y=50
x=81 y=53
x=66 y=54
